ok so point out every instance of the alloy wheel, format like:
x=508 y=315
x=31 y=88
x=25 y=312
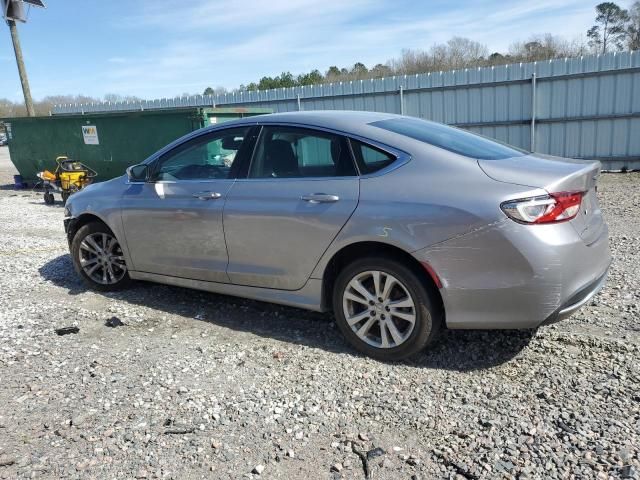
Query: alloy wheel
x=379 y=309
x=101 y=258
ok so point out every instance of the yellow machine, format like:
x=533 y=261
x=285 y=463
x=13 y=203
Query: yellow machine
x=68 y=177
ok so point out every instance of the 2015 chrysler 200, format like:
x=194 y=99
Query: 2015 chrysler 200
x=399 y=225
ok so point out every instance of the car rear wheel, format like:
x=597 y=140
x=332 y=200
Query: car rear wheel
x=98 y=258
x=385 y=309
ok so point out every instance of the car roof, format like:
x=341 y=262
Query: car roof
x=326 y=117
x=353 y=122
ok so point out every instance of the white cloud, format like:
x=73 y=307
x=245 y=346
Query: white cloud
x=241 y=17
x=204 y=43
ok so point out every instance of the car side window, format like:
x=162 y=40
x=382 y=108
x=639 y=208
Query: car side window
x=291 y=152
x=205 y=158
x=370 y=159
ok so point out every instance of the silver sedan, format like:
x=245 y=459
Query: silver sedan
x=401 y=226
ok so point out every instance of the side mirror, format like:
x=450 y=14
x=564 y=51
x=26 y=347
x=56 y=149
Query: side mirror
x=138 y=173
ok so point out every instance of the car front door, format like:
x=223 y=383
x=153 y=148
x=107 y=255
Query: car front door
x=173 y=222
x=301 y=189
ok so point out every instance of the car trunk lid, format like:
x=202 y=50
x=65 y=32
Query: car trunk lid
x=555 y=175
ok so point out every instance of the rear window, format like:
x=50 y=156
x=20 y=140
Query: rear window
x=452 y=139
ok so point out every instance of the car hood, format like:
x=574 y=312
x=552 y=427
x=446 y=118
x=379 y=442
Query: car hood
x=97 y=190
x=107 y=184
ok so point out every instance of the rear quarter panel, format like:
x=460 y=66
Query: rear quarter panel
x=436 y=196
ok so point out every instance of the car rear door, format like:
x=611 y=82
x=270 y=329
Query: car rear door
x=301 y=189
x=173 y=222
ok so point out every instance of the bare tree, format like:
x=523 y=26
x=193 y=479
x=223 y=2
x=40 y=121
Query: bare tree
x=115 y=97
x=411 y=62
x=545 y=47
x=458 y=52
x=461 y=52
x=43 y=106
x=579 y=46
x=10 y=109
x=633 y=30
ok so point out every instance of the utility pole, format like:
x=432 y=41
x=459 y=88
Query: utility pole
x=12 y=11
x=22 y=71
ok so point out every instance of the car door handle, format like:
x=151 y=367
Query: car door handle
x=320 y=198
x=207 y=195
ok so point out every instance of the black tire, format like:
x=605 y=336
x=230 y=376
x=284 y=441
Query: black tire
x=82 y=233
x=49 y=198
x=427 y=308
x=65 y=197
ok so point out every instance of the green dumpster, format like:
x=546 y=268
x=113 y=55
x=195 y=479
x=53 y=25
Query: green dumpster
x=106 y=142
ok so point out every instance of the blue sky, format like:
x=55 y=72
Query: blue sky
x=163 y=48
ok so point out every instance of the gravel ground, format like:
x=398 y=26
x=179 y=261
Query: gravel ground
x=197 y=385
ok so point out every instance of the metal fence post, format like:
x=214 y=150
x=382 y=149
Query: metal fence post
x=401 y=100
x=533 y=113
x=299 y=102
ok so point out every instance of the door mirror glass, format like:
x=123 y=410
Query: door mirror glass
x=138 y=173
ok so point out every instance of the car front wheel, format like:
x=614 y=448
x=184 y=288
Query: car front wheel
x=98 y=258
x=385 y=309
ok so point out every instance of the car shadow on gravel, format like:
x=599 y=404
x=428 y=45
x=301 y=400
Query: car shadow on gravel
x=12 y=186
x=455 y=350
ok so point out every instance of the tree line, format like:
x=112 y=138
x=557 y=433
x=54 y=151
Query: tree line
x=614 y=29
x=43 y=107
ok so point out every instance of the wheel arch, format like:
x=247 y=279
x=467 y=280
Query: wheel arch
x=80 y=221
x=354 y=251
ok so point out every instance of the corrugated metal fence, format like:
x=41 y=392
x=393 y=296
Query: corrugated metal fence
x=586 y=107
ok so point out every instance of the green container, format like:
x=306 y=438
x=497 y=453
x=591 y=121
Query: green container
x=105 y=142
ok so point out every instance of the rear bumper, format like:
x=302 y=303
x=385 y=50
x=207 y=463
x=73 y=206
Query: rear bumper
x=510 y=276
x=580 y=299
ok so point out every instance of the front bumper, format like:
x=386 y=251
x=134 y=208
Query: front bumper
x=510 y=276
x=69 y=228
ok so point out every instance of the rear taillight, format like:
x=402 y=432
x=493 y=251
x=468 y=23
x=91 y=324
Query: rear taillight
x=552 y=208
